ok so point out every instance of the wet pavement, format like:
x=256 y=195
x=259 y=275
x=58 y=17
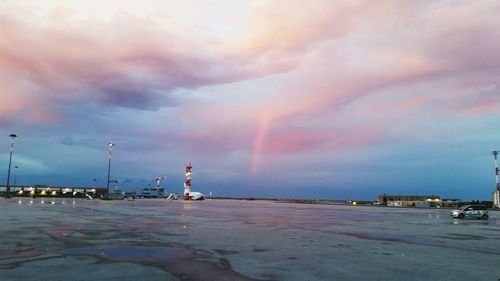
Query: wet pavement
x=155 y=239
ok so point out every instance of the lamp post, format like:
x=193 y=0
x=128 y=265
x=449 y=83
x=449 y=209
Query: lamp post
x=15 y=174
x=497 y=193
x=7 y=188
x=110 y=145
x=495 y=154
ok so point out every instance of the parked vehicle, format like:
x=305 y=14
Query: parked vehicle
x=471 y=211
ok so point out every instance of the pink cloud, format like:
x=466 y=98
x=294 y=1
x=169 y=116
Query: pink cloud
x=124 y=63
x=316 y=65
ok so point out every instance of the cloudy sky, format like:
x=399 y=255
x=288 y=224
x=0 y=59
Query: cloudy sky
x=315 y=99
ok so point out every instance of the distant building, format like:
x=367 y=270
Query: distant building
x=53 y=191
x=410 y=200
x=451 y=202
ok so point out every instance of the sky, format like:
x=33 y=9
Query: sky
x=285 y=99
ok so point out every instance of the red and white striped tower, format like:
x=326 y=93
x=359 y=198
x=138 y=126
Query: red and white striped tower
x=187 y=182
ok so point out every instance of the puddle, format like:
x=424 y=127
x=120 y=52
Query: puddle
x=390 y=237
x=225 y=252
x=143 y=254
x=177 y=261
x=397 y=238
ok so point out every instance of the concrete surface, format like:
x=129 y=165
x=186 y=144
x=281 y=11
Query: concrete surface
x=156 y=239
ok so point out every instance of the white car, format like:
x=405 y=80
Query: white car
x=471 y=211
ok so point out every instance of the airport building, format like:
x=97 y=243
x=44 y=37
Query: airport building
x=52 y=191
x=451 y=202
x=410 y=200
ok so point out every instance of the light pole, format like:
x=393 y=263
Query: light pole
x=7 y=188
x=15 y=174
x=110 y=145
x=497 y=193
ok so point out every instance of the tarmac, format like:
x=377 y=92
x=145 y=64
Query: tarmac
x=157 y=239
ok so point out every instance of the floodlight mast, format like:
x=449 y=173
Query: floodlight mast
x=495 y=154
x=7 y=188
x=110 y=145
x=497 y=193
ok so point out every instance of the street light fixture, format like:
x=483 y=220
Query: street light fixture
x=7 y=188
x=110 y=145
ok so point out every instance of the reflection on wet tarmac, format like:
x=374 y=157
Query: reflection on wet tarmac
x=242 y=240
x=143 y=254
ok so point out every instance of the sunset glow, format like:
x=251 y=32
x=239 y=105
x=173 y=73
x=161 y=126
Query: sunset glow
x=319 y=98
